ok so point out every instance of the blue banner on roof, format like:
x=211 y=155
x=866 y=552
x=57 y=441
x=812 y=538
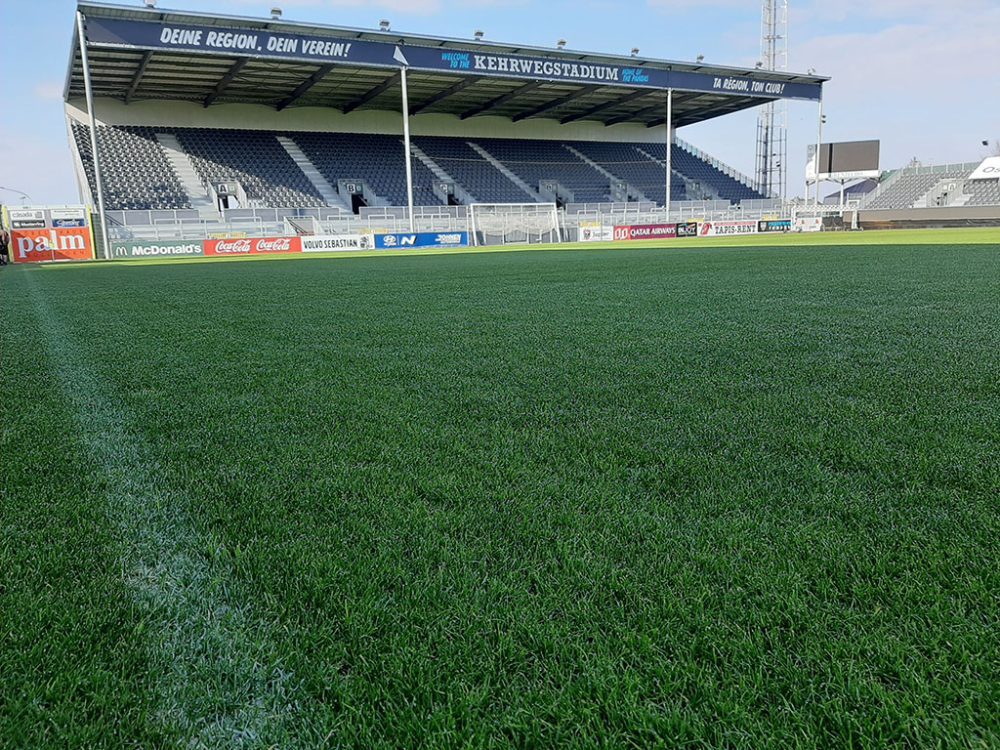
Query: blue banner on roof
x=260 y=43
x=421 y=239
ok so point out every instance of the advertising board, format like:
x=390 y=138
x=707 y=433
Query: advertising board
x=727 y=228
x=645 y=232
x=809 y=224
x=27 y=218
x=774 y=225
x=595 y=231
x=66 y=218
x=165 y=249
x=39 y=245
x=254 y=246
x=336 y=242
x=687 y=229
x=398 y=241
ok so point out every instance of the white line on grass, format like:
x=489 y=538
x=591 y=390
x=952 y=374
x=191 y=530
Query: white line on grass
x=220 y=684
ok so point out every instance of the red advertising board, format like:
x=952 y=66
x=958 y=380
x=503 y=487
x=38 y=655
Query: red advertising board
x=38 y=245
x=646 y=232
x=253 y=246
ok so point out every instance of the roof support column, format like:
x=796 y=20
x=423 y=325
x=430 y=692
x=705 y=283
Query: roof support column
x=89 y=90
x=819 y=148
x=670 y=144
x=406 y=148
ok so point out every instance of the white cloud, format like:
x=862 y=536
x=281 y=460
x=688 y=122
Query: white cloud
x=34 y=165
x=921 y=75
x=901 y=11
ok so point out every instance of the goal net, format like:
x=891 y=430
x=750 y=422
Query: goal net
x=514 y=223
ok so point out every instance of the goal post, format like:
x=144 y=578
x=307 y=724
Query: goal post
x=514 y=224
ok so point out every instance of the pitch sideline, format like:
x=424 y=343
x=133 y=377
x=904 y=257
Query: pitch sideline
x=880 y=238
x=219 y=684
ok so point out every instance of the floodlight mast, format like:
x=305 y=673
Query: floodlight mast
x=772 y=122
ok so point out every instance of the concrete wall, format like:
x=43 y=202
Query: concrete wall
x=318 y=119
x=916 y=218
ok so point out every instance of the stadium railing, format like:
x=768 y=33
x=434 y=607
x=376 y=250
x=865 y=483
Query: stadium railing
x=188 y=224
x=721 y=166
x=900 y=174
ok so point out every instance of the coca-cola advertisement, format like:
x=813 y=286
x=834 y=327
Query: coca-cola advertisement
x=253 y=246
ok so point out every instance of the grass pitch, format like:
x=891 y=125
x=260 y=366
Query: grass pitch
x=700 y=497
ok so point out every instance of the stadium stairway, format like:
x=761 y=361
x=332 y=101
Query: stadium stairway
x=174 y=168
x=461 y=192
x=710 y=180
x=477 y=176
x=691 y=188
x=327 y=192
x=632 y=189
x=948 y=191
x=917 y=188
x=546 y=161
x=532 y=192
x=201 y=201
x=722 y=177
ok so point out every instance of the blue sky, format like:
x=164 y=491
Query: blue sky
x=921 y=75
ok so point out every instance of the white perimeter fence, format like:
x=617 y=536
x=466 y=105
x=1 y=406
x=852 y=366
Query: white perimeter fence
x=181 y=225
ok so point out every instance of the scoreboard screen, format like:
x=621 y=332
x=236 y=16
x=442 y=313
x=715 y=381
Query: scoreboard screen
x=850 y=156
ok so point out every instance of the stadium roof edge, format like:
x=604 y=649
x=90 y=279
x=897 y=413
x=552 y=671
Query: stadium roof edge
x=133 y=58
x=166 y=14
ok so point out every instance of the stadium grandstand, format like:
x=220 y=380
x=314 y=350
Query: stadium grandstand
x=943 y=186
x=185 y=123
x=352 y=419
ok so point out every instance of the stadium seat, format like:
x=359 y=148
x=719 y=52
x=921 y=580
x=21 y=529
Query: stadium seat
x=910 y=185
x=139 y=176
x=472 y=171
x=379 y=160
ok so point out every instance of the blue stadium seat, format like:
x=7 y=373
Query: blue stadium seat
x=138 y=174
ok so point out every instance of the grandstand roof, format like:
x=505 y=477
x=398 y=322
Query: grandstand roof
x=139 y=53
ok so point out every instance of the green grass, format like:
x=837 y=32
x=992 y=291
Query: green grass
x=906 y=237
x=701 y=497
